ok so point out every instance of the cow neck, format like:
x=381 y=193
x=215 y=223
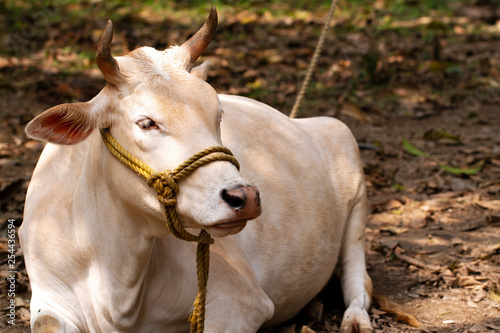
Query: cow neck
x=166 y=186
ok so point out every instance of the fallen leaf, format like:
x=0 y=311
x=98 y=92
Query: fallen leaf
x=463 y=171
x=386 y=205
x=476 y=328
x=412 y=149
x=464 y=281
x=490 y=205
x=435 y=135
x=374 y=310
x=394 y=230
x=492 y=326
x=444 y=313
x=392 y=204
x=352 y=110
x=444 y=66
x=494 y=296
x=446 y=195
x=471 y=304
x=306 y=329
x=246 y=17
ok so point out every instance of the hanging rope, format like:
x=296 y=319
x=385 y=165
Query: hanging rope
x=166 y=186
x=314 y=61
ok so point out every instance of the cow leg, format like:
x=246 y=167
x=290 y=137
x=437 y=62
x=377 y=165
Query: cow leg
x=235 y=300
x=47 y=322
x=238 y=313
x=356 y=284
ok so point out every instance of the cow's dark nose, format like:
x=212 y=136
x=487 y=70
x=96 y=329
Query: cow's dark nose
x=235 y=198
x=244 y=200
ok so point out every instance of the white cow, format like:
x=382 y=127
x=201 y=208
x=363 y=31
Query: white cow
x=97 y=251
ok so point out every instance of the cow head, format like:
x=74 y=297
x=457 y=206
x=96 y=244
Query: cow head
x=161 y=110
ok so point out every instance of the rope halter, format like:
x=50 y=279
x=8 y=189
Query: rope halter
x=166 y=186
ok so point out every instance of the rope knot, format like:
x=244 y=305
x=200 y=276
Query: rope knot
x=165 y=186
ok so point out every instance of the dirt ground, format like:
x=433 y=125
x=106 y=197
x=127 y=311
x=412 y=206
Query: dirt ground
x=427 y=116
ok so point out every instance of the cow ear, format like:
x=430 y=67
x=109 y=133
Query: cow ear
x=201 y=71
x=65 y=124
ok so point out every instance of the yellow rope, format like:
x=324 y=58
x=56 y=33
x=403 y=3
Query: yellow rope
x=312 y=66
x=166 y=186
x=121 y=154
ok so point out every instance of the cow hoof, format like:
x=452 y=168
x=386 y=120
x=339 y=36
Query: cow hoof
x=48 y=323
x=356 y=320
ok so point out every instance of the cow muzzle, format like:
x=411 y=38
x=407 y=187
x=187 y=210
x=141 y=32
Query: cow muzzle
x=244 y=200
x=244 y=204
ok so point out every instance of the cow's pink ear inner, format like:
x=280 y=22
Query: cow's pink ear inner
x=65 y=124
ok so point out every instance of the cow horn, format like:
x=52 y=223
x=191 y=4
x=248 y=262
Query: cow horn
x=107 y=64
x=199 y=42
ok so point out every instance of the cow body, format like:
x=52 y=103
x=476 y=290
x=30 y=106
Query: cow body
x=100 y=259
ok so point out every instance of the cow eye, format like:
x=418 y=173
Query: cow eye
x=147 y=124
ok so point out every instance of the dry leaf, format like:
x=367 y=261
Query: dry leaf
x=490 y=205
x=394 y=230
x=306 y=329
x=352 y=110
x=464 y=281
x=494 y=296
x=471 y=304
x=392 y=204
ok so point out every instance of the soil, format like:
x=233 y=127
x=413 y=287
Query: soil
x=433 y=230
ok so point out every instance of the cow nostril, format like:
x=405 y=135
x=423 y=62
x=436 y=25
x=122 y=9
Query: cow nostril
x=234 y=198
